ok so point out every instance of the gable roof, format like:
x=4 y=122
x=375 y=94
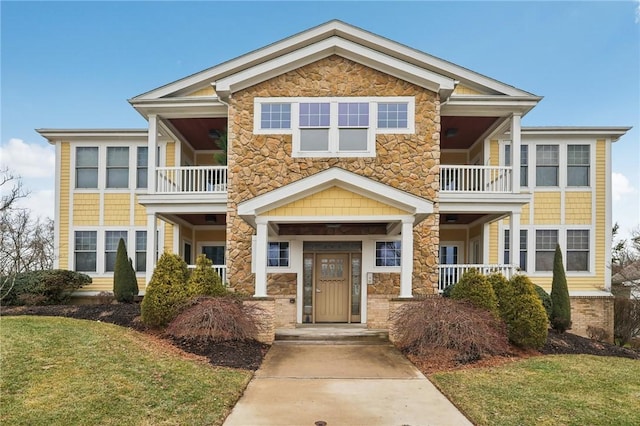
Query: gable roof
x=343 y=39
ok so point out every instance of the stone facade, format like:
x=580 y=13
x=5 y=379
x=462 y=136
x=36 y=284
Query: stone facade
x=261 y=163
x=592 y=311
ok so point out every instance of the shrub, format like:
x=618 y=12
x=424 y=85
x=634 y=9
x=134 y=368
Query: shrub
x=446 y=292
x=50 y=287
x=166 y=293
x=204 y=281
x=560 y=303
x=626 y=319
x=545 y=299
x=474 y=287
x=217 y=319
x=502 y=289
x=597 y=333
x=526 y=319
x=125 y=284
x=431 y=324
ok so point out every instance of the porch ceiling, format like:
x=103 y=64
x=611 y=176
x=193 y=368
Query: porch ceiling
x=204 y=219
x=332 y=229
x=463 y=131
x=459 y=219
x=196 y=131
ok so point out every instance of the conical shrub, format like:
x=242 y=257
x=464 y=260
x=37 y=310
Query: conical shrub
x=125 y=284
x=560 y=302
x=204 y=281
x=167 y=292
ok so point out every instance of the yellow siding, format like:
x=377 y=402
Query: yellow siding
x=139 y=213
x=493 y=243
x=205 y=91
x=475 y=231
x=524 y=217
x=210 y=235
x=601 y=199
x=547 y=208
x=168 y=238
x=171 y=154
x=117 y=209
x=577 y=209
x=63 y=193
x=464 y=90
x=335 y=202
x=86 y=209
x=205 y=159
x=455 y=157
x=453 y=234
x=187 y=155
x=494 y=153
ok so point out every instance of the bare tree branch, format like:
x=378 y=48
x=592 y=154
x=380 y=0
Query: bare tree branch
x=10 y=188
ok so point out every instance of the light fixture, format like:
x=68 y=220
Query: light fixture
x=210 y=218
x=333 y=225
x=451 y=218
x=214 y=134
x=451 y=132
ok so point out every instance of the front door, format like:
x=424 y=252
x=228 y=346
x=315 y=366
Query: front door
x=332 y=288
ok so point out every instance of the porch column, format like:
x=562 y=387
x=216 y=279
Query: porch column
x=406 y=258
x=261 y=258
x=152 y=241
x=515 y=153
x=514 y=238
x=152 y=152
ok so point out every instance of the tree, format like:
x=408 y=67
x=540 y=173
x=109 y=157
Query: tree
x=10 y=188
x=204 y=281
x=561 y=305
x=125 y=284
x=26 y=243
x=166 y=293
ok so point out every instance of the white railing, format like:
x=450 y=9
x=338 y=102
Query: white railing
x=221 y=270
x=475 y=178
x=450 y=274
x=191 y=179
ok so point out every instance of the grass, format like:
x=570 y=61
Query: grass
x=60 y=371
x=548 y=390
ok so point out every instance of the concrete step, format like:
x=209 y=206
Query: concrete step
x=332 y=335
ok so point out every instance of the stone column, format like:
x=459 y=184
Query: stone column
x=261 y=258
x=406 y=258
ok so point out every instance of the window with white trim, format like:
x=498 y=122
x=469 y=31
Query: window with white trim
x=111 y=240
x=522 y=245
x=117 y=167
x=546 y=241
x=524 y=162
x=141 y=251
x=388 y=253
x=278 y=254
x=578 y=250
x=86 y=167
x=334 y=127
x=578 y=160
x=142 y=162
x=547 y=164
x=85 y=251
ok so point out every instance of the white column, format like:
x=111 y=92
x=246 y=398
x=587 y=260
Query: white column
x=514 y=238
x=153 y=150
x=261 y=258
x=152 y=237
x=515 y=153
x=406 y=258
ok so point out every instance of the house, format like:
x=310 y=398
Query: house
x=360 y=174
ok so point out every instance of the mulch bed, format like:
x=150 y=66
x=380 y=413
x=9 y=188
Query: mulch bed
x=249 y=354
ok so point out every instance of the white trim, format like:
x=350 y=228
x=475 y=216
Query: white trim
x=56 y=210
x=607 y=213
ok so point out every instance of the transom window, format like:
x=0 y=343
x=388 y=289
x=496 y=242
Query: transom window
x=388 y=253
x=578 y=159
x=334 y=127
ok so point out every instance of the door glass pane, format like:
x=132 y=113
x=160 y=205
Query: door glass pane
x=356 y=282
x=215 y=254
x=331 y=268
x=307 y=293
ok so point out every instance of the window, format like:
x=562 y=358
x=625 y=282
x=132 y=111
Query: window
x=87 y=167
x=143 y=164
x=388 y=253
x=187 y=253
x=117 y=167
x=546 y=242
x=85 y=251
x=524 y=162
x=522 y=245
x=547 y=161
x=141 y=251
x=215 y=253
x=578 y=159
x=578 y=251
x=343 y=127
x=278 y=254
x=111 y=239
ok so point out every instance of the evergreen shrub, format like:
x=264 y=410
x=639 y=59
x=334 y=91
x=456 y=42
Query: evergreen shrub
x=204 y=281
x=48 y=287
x=474 y=287
x=560 y=302
x=125 y=284
x=167 y=291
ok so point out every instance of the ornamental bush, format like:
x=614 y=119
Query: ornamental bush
x=166 y=293
x=526 y=319
x=545 y=299
x=125 y=284
x=204 y=281
x=560 y=302
x=474 y=287
x=49 y=287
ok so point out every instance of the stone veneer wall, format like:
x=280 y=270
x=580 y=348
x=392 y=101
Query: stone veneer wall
x=594 y=311
x=260 y=163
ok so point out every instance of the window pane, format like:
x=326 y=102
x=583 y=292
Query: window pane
x=143 y=156
x=392 y=115
x=546 y=240
x=85 y=240
x=388 y=253
x=354 y=114
x=578 y=240
x=87 y=178
x=314 y=115
x=544 y=261
x=86 y=262
x=278 y=254
x=275 y=116
x=117 y=178
x=546 y=176
x=577 y=176
x=111 y=240
x=86 y=157
x=314 y=139
x=109 y=261
x=117 y=156
x=141 y=261
x=547 y=155
x=141 y=240
x=141 y=178
x=85 y=251
x=578 y=155
x=353 y=139
x=215 y=254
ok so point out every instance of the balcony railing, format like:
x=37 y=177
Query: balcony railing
x=450 y=274
x=191 y=179
x=462 y=178
x=221 y=270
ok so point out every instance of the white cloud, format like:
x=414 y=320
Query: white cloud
x=41 y=203
x=621 y=186
x=28 y=160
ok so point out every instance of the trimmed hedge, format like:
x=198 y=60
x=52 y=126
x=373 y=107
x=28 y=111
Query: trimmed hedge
x=475 y=288
x=204 y=281
x=167 y=291
x=49 y=287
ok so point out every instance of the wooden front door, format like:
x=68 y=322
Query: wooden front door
x=332 y=288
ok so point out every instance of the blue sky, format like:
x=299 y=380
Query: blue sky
x=75 y=64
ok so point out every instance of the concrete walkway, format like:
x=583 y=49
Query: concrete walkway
x=346 y=384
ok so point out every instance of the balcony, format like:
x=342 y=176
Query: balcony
x=451 y=274
x=191 y=180
x=475 y=179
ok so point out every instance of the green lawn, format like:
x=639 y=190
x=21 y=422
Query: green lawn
x=548 y=390
x=60 y=371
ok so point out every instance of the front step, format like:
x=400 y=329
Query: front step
x=332 y=335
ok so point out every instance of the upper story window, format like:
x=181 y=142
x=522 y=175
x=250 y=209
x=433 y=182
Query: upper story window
x=524 y=162
x=117 y=167
x=142 y=167
x=334 y=127
x=86 y=167
x=578 y=160
x=547 y=163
